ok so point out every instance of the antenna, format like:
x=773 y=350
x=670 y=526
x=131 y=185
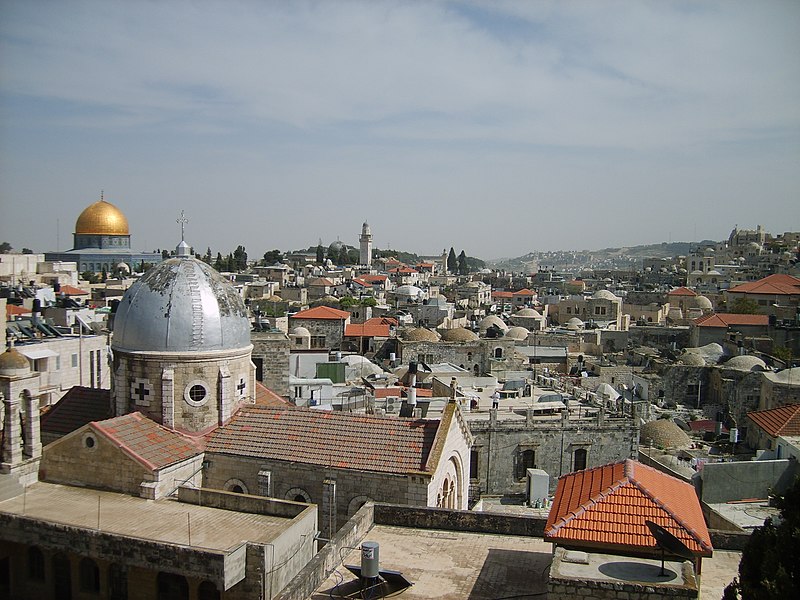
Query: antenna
x=668 y=543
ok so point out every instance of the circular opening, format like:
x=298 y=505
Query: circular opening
x=197 y=393
x=89 y=442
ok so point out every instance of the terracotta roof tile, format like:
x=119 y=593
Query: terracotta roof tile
x=322 y=312
x=524 y=292
x=728 y=319
x=79 y=406
x=502 y=294
x=681 y=291
x=783 y=420
x=325 y=438
x=70 y=290
x=371 y=279
x=607 y=507
x=773 y=285
x=147 y=442
x=12 y=310
x=266 y=397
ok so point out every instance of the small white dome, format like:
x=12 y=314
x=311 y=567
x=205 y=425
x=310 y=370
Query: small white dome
x=527 y=312
x=604 y=295
x=517 y=333
x=574 y=324
x=300 y=332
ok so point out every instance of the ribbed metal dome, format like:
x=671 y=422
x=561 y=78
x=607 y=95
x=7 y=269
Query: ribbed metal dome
x=181 y=305
x=101 y=218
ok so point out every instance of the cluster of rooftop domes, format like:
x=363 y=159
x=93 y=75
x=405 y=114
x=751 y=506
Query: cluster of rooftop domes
x=419 y=334
x=458 y=334
x=101 y=218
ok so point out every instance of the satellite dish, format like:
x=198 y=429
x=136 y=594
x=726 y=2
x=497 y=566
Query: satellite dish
x=668 y=543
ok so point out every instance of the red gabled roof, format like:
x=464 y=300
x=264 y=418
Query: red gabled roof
x=79 y=406
x=337 y=440
x=322 y=312
x=373 y=279
x=524 y=292
x=70 y=290
x=425 y=265
x=377 y=327
x=728 y=319
x=321 y=281
x=606 y=507
x=403 y=270
x=399 y=391
x=681 y=291
x=12 y=310
x=783 y=420
x=773 y=285
x=266 y=397
x=502 y=294
x=147 y=442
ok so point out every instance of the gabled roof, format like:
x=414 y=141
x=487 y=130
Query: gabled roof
x=773 y=285
x=372 y=279
x=502 y=294
x=681 y=291
x=321 y=281
x=783 y=420
x=147 y=442
x=266 y=397
x=377 y=327
x=12 y=310
x=405 y=270
x=524 y=292
x=606 y=507
x=79 y=406
x=727 y=319
x=322 y=312
x=71 y=290
x=338 y=440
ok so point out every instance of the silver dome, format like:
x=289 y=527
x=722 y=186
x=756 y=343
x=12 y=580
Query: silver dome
x=181 y=305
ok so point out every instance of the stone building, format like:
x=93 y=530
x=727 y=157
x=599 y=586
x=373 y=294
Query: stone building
x=780 y=389
x=480 y=356
x=271 y=358
x=505 y=448
x=325 y=324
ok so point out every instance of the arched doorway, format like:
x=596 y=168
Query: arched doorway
x=172 y=587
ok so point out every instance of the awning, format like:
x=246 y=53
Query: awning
x=35 y=353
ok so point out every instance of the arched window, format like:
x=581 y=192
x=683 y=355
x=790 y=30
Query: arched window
x=579 y=461
x=298 y=495
x=236 y=485
x=172 y=587
x=35 y=564
x=207 y=591
x=498 y=353
x=89 y=576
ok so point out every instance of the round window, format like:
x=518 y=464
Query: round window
x=89 y=441
x=196 y=393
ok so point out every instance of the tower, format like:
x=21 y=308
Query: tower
x=365 y=252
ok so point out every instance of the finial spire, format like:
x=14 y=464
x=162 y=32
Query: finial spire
x=102 y=196
x=182 y=220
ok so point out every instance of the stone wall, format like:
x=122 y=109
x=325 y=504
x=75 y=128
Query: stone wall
x=271 y=350
x=333 y=330
x=500 y=445
x=724 y=482
x=469 y=355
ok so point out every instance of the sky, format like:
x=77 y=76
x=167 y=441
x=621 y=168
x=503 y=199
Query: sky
x=499 y=128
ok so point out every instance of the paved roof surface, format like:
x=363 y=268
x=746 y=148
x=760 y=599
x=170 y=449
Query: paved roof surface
x=728 y=319
x=783 y=420
x=146 y=441
x=607 y=506
x=79 y=406
x=773 y=285
x=341 y=440
x=322 y=312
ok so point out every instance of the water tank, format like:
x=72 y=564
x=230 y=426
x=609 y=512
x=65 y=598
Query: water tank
x=369 y=560
x=538 y=487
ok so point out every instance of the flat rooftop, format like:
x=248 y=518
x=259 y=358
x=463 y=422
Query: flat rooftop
x=452 y=565
x=167 y=521
x=747 y=515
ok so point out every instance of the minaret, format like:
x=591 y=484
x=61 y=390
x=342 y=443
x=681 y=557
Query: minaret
x=444 y=261
x=365 y=252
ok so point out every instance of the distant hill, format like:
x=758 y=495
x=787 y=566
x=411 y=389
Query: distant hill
x=621 y=256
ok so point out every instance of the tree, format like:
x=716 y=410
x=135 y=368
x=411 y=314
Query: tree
x=239 y=259
x=320 y=254
x=5 y=248
x=89 y=276
x=343 y=257
x=770 y=564
x=743 y=306
x=783 y=354
x=27 y=251
x=207 y=257
x=452 y=261
x=272 y=257
x=463 y=268
x=164 y=254
x=219 y=264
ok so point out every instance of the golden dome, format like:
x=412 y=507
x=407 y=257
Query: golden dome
x=102 y=218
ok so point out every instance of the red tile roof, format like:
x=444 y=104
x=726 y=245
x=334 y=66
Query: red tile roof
x=320 y=281
x=79 y=406
x=339 y=440
x=502 y=294
x=784 y=420
x=773 y=285
x=266 y=397
x=606 y=507
x=147 y=442
x=405 y=270
x=399 y=391
x=525 y=292
x=70 y=290
x=681 y=291
x=12 y=310
x=371 y=279
x=727 y=319
x=322 y=312
x=377 y=327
